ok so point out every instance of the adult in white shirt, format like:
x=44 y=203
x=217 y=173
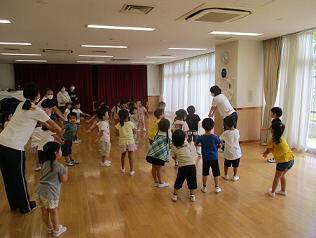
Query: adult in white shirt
x=12 y=141
x=62 y=99
x=221 y=103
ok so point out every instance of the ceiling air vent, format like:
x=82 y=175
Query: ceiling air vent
x=136 y=9
x=57 y=51
x=99 y=51
x=12 y=49
x=221 y=37
x=121 y=59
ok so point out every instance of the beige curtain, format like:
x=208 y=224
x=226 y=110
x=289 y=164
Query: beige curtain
x=161 y=82
x=272 y=50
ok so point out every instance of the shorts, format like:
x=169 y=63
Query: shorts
x=283 y=167
x=234 y=162
x=41 y=158
x=45 y=202
x=62 y=109
x=192 y=134
x=34 y=149
x=66 y=148
x=105 y=147
x=186 y=173
x=66 y=122
x=214 y=165
x=155 y=161
x=150 y=141
x=124 y=148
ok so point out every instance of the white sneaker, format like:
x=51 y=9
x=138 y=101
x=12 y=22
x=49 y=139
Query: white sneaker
x=50 y=231
x=99 y=150
x=235 y=178
x=204 y=189
x=192 y=198
x=76 y=141
x=163 y=184
x=108 y=161
x=138 y=130
x=132 y=173
x=220 y=150
x=284 y=193
x=122 y=170
x=218 y=190
x=62 y=229
x=144 y=129
x=136 y=142
x=156 y=184
x=38 y=169
x=198 y=151
x=226 y=176
x=174 y=198
x=105 y=164
x=271 y=193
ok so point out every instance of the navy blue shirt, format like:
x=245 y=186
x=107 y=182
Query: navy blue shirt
x=70 y=132
x=209 y=144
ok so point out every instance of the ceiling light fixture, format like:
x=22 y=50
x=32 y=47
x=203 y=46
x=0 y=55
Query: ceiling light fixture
x=105 y=46
x=14 y=54
x=96 y=62
x=186 y=49
x=160 y=57
x=234 y=33
x=4 y=21
x=135 y=62
x=31 y=60
x=14 y=43
x=94 y=56
x=121 y=28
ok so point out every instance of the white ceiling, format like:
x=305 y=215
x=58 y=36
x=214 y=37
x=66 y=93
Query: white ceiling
x=62 y=24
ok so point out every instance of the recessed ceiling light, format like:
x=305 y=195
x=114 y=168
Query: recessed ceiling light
x=14 y=43
x=121 y=28
x=31 y=60
x=135 y=62
x=14 y=54
x=186 y=49
x=160 y=57
x=234 y=33
x=105 y=46
x=96 y=62
x=4 y=21
x=94 y=56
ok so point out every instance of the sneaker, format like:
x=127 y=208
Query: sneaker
x=204 y=189
x=174 y=198
x=198 y=151
x=156 y=184
x=271 y=193
x=108 y=161
x=235 y=178
x=144 y=129
x=76 y=141
x=122 y=170
x=132 y=173
x=284 y=193
x=192 y=198
x=220 y=150
x=138 y=130
x=226 y=176
x=136 y=142
x=99 y=150
x=51 y=230
x=271 y=160
x=62 y=229
x=70 y=164
x=218 y=190
x=105 y=164
x=163 y=184
x=38 y=169
x=75 y=161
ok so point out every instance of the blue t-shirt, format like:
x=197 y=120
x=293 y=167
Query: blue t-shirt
x=70 y=132
x=209 y=144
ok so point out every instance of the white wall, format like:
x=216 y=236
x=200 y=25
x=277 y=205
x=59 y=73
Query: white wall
x=7 y=76
x=153 y=78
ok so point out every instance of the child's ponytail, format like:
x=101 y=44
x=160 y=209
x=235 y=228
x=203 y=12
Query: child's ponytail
x=30 y=92
x=278 y=128
x=123 y=114
x=50 y=150
x=163 y=126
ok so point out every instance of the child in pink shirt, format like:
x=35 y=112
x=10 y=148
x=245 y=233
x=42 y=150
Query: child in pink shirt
x=141 y=111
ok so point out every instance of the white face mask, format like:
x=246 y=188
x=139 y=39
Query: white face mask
x=50 y=97
x=73 y=88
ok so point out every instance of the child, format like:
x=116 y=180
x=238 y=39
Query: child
x=135 y=120
x=276 y=113
x=162 y=105
x=193 y=122
x=115 y=111
x=36 y=137
x=128 y=101
x=182 y=152
x=283 y=156
x=180 y=123
x=124 y=105
x=154 y=128
x=67 y=111
x=158 y=153
x=210 y=144
x=232 y=152
x=141 y=111
x=104 y=136
x=6 y=117
x=70 y=133
x=48 y=188
x=126 y=129
x=79 y=113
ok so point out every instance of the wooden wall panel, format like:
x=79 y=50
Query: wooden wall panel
x=153 y=103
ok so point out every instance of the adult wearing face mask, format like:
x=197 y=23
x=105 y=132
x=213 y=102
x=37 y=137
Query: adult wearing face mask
x=221 y=103
x=72 y=93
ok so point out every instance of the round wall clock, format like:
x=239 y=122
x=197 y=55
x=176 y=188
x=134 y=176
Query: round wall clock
x=224 y=73
x=224 y=57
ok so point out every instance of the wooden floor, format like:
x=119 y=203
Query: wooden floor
x=102 y=202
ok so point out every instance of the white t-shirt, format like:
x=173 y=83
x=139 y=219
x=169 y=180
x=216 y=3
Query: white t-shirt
x=21 y=126
x=67 y=111
x=223 y=105
x=182 y=154
x=182 y=125
x=103 y=125
x=47 y=136
x=36 y=136
x=232 y=149
x=78 y=112
x=6 y=124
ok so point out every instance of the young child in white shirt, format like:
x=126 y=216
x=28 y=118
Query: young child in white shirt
x=36 y=137
x=141 y=111
x=67 y=111
x=135 y=119
x=232 y=152
x=79 y=113
x=6 y=117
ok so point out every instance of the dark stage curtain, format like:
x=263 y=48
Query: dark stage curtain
x=122 y=81
x=51 y=75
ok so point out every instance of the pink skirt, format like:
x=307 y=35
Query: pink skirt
x=124 y=148
x=34 y=149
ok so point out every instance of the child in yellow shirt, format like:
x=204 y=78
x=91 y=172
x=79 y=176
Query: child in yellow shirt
x=154 y=128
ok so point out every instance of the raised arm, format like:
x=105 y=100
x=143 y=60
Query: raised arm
x=51 y=125
x=212 y=111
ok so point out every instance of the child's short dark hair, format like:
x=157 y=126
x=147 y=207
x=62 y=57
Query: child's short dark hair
x=277 y=111
x=158 y=113
x=208 y=124
x=229 y=121
x=68 y=103
x=60 y=86
x=178 y=137
x=75 y=103
x=191 y=110
x=101 y=112
x=141 y=102
x=48 y=89
x=127 y=100
x=72 y=114
x=161 y=103
x=181 y=113
x=123 y=102
x=101 y=102
x=132 y=109
x=216 y=90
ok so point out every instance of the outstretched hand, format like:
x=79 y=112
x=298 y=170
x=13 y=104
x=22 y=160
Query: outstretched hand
x=96 y=140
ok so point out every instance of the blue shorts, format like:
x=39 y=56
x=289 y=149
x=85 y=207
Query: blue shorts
x=283 y=167
x=66 y=148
